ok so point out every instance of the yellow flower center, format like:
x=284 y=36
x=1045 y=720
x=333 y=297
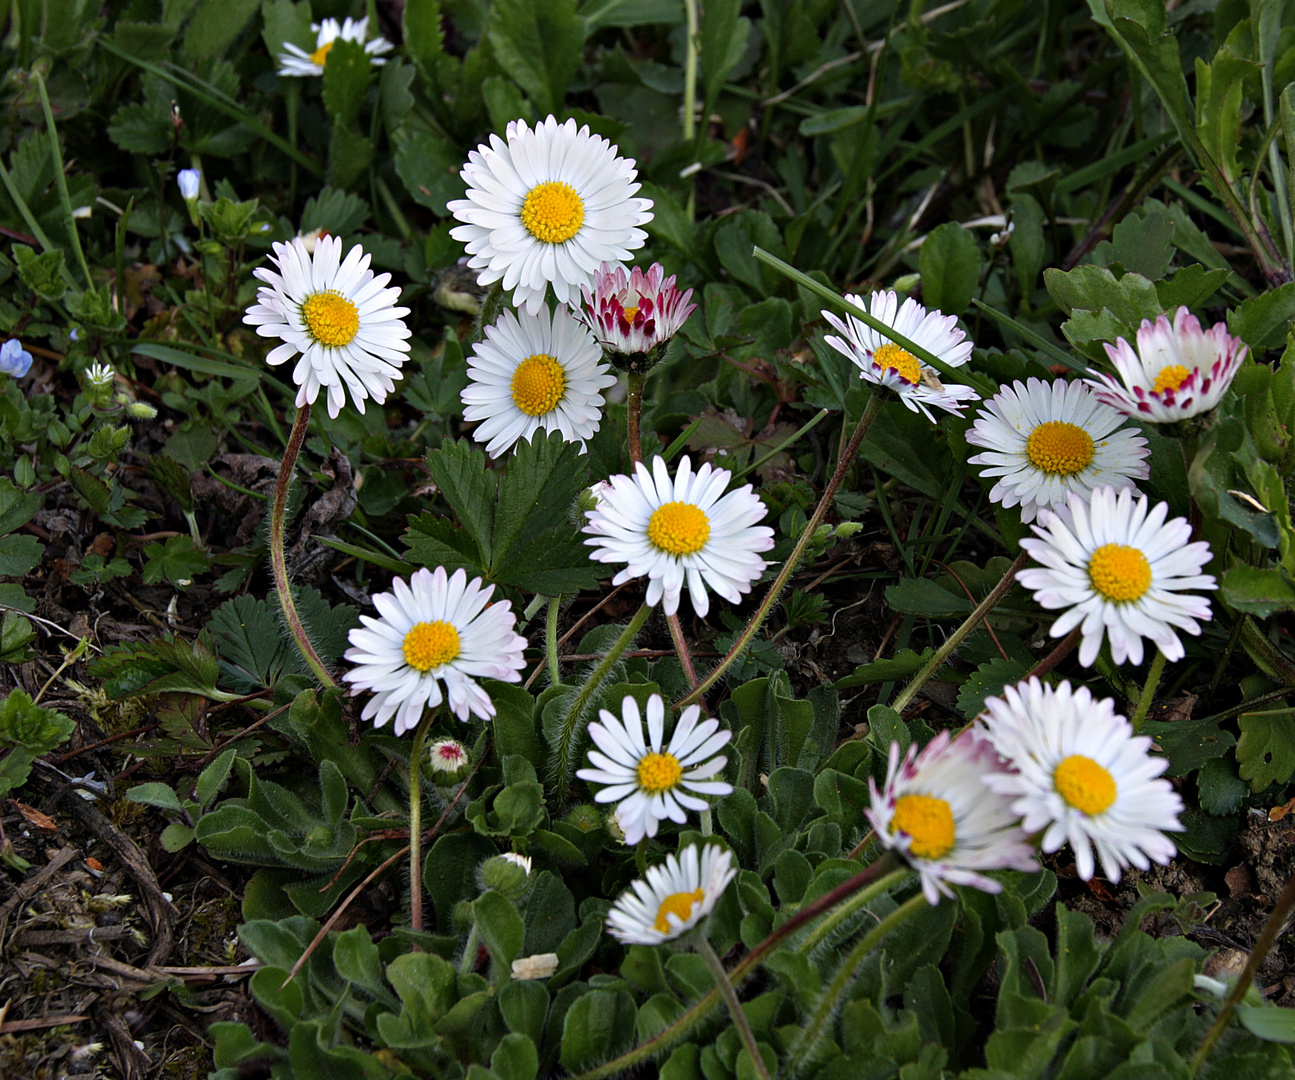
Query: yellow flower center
x=1084 y=784
x=1170 y=378
x=890 y=357
x=680 y=904
x=553 y=212
x=320 y=55
x=430 y=645
x=1058 y=447
x=628 y=314
x=1119 y=572
x=331 y=319
x=658 y=772
x=679 y=528
x=538 y=385
x=928 y=822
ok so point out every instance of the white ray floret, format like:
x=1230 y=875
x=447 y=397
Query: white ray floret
x=673 y=897
x=296 y=61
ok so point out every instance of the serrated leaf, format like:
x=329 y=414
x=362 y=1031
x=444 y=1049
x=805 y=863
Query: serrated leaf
x=1263 y=321
x=215 y=24
x=139 y=129
x=1130 y=298
x=339 y=212
x=19 y=555
x=347 y=74
x=436 y=541
x=429 y=169
x=988 y=680
x=922 y=596
x=538 y=43
x=1141 y=243
x=175 y=561
x=167 y=665
x=93 y=490
x=536 y=491
x=460 y=473
x=601 y=13
x=1266 y=750
x=1190 y=287
x=16 y=506
x=349 y=155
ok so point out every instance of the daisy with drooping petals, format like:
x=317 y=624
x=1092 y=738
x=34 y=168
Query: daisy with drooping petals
x=535 y=372
x=1122 y=570
x=1176 y=372
x=885 y=363
x=633 y=314
x=672 y=898
x=1045 y=440
x=435 y=629
x=548 y=206
x=681 y=531
x=935 y=812
x=296 y=61
x=1081 y=776
x=649 y=783
x=338 y=316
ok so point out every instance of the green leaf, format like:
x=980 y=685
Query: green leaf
x=1266 y=749
x=1263 y=321
x=347 y=75
x=44 y=273
x=169 y=664
x=459 y=471
x=1257 y=591
x=1268 y=1022
x=515 y=1058
x=1219 y=88
x=903 y=664
x=338 y=212
x=176 y=561
x=538 y=43
x=424 y=37
x=32 y=727
x=213 y=778
x=1130 y=298
x=598 y=1026
x=950 y=266
x=1190 y=287
x=215 y=24
x=988 y=680
x=349 y=155
x=501 y=928
x=1219 y=787
x=176 y=837
x=19 y=555
x=598 y=14
x=16 y=506
x=155 y=794
x=1141 y=244
x=922 y=596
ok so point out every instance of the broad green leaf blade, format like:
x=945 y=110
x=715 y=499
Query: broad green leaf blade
x=459 y=471
x=538 y=43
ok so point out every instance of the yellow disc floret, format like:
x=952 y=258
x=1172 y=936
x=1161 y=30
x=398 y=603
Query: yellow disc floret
x=320 y=55
x=1170 y=378
x=680 y=904
x=890 y=357
x=658 y=772
x=429 y=645
x=1084 y=784
x=553 y=212
x=1119 y=572
x=1060 y=448
x=538 y=385
x=331 y=319
x=628 y=314
x=678 y=528
x=928 y=822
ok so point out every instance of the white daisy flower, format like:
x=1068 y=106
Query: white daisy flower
x=881 y=361
x=685 y=531
x=296 y=61
x=338 y=316
x=1121 y=569
x=1082 y=777
x=435 y=629
x=673 y=897
x=548 y=206
x=535 y=372
x=1046 y=440
x=1177 y=371
x=935 y=812
x=634 y=313
x=651 y=783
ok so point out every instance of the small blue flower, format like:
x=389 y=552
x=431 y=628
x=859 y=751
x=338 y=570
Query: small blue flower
x=188 y=181
x=14 y=359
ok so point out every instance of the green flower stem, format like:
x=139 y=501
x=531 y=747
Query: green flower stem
x=416 y=822
x=640 y=855
x=855 y=902
x=734 y=1006
x=634 y=413
x=793 y=560
x=690 y=73
x=551 y=640
x=1149 y=689
x=277 y=559
x=613 y=654
x=959 y=635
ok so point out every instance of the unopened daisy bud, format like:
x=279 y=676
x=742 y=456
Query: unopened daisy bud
x=448 y=759
x=907 y=283
x=188 y=179
x=505 y=875
x=586 y=818
x=141 y=410
x=539 y=966
x=635 y=315
x=615 y=826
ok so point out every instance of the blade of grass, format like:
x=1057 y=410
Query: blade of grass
x=396 y=566
x=679 y=443
x=1053 y=353
x=1112 y=163
x=60 y=182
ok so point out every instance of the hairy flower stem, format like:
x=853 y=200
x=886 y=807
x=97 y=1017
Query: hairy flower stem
x=277 y=559
x=863 y=896
x=551 y=640
x=634 y=414
x=416 y=822
x=959 y=635
x=870 y=412
x=734 y=1006
x=1149 y=689
x=681 y=649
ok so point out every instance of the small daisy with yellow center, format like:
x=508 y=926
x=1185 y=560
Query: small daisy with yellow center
x=1122 y=572
x=681 y=531
x=295 y=61
x=884 y=363
x=1045 y=440
x=548 y=206
x=1177 y=371
x=1081 y=777
x=340 y=318
x=534 y=373
x=651 y=782
x=633 y=314
x=935 y=812
x=434 y=631
x=673 y=897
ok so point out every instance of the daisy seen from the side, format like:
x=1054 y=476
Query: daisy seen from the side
x=337 y=316
x=548 y=206
x=649 y=781
x=882 y=362
x=435 y=636
x=535 y=372
x=295 y=61
x=673 y=897
x=1045 y=440
x=1082 y=777
x=680 y=531
x=1177 y=371
x=632 y=314
x=935 y=812
x=1121 y=570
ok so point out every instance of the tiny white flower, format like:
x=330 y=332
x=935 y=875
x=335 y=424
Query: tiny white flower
x=673 y=897
x=539 y=966
x=99 y=376
x=296 y=61
x=188 y=180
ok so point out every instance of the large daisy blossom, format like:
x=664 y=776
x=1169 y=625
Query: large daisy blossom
x=296 y=61
x=533 y=372
x=673 y=897
x=1081 y=776
x=1121 y=570
x=338 y=316
x=651 y=783
x=436 y=629
x=1177 y=371
x=1045 y=440
x=935 y=812
x=632 y=314
x=548 y=206
x=680 y=531
x=884 y=363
